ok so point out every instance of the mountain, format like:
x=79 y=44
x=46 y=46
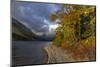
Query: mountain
x=21 y=32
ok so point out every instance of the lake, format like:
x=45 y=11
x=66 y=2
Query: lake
x=29 y=52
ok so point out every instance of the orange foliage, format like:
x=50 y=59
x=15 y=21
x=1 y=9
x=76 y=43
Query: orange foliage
x=69 y=36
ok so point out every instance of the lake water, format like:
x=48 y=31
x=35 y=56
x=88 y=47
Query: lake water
x=29 y=52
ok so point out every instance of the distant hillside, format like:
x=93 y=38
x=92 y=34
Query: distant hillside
x=21 y=32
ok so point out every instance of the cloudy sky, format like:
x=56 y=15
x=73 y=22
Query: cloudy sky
x=36 y=16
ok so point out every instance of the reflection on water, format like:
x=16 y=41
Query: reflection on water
x=29 y=52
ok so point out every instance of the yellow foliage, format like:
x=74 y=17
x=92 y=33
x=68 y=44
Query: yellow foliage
x=77 y=31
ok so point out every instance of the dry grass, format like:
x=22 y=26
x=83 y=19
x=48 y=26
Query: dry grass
x=86 y=51
x=59 y=55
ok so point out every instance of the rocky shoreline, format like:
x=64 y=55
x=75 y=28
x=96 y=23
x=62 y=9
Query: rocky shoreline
x=59 y=55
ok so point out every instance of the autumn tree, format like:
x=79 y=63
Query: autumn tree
x=77 y=31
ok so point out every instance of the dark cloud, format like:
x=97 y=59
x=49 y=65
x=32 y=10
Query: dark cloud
x=34 y=15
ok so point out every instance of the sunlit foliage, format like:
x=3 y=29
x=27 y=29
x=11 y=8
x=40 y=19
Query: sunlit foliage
x=77 y=31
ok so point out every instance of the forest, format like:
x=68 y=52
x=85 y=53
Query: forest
x=76 y=33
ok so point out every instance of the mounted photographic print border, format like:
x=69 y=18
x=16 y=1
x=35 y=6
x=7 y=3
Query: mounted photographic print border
x=52 y=33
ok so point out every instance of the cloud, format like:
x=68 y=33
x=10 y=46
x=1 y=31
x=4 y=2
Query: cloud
x=36 y=16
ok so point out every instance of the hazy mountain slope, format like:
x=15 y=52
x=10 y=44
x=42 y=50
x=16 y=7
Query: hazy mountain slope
x=21 y=32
